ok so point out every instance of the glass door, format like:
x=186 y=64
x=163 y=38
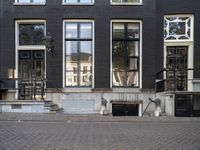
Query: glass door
x=31 y=74
x=176 y=65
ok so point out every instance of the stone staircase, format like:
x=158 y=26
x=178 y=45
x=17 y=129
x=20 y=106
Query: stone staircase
x=50 y=107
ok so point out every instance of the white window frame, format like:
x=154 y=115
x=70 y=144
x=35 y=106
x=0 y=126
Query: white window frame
x=30 y=3
x=191 y=28
x=64 y=3
x=185 y=42
x=140 y=52
x=122 y=3
x=26 y=47
x=93 y=56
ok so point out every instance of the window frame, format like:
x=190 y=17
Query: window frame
x=139 y=53
x=191 y=16
x=30 y=3
x=126 y=3
x=78 y=3
x=64 y=52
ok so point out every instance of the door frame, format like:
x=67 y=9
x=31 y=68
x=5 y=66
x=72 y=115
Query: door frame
x=26 y=47
x=190 y=63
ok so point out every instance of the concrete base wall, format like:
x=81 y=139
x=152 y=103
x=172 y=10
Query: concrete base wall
x=22 y=106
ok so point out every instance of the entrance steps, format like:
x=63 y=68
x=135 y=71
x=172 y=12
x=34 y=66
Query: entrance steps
x=52 y=108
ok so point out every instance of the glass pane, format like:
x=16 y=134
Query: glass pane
x=25 y=68
x=118 y=30
x=86 y=30
x=86 y=78
x=132 y=79
x=71 y=63
x=31 y=34
x=176 y=28
x=133 y=64
x=39 y=69
x=71 y=79
x=71 y=30
x=86 y=52
x=85 y=1
x=71 y=1
x=71 y=48
x=133 y=30
x=23 y=1
x=118 y=63
x=38 y=1
x=133 y=48
x=118 y=49
x=119 y=78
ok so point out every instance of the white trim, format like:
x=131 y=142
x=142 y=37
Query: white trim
x=93 y=49
x=78 y=3
x=126 y=3
x=26 y=47
x=140 y=50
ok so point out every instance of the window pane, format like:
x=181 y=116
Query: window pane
x=86 y=78
x=118 y=30
x=85 y=1
x=71 y=30
x=71 y=79
x=30 y=1
x=126 y=1
x=77 y=1
x=71 y=1
x=31 y=34
x=118 y=49
x=118 y=63
x=177 y=28
x=133 y=48
x=71 y=47
x=86 y=30
x=132 y=64
x=23 y=1
x=133 y=31
x=119 y=78
x=86 y=54
x=132 y=79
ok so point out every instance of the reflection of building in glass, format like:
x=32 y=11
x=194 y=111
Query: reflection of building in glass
x=84 y=77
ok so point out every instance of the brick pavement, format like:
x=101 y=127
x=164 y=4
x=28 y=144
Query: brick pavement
x=93 y=132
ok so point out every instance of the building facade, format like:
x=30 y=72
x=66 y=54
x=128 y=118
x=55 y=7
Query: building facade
x=80 y=53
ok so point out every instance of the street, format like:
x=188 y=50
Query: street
x=99 y=135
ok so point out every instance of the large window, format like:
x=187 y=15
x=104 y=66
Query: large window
x=126 y=2
x=78 y=53
x=178 y=27
x=81 y=2
x=30 y=1
x=125 y=53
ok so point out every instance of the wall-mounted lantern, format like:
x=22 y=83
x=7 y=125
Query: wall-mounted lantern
x=49 y=43
x=11 y=73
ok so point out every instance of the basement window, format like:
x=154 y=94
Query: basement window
x=16 y=106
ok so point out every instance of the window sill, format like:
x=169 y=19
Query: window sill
x=77 y=4
x=29 y=4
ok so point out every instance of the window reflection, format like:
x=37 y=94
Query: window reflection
x=125 y=54
x=31 y=34
x=79 y=53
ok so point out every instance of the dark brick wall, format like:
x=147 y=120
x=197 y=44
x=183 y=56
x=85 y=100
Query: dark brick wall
x=166 y=7
x=102 y=12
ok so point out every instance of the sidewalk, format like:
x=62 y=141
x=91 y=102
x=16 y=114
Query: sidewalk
x=90 y=118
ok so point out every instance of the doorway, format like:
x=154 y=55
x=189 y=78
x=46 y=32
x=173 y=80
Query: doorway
x=177 y=68
x=31 y=74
